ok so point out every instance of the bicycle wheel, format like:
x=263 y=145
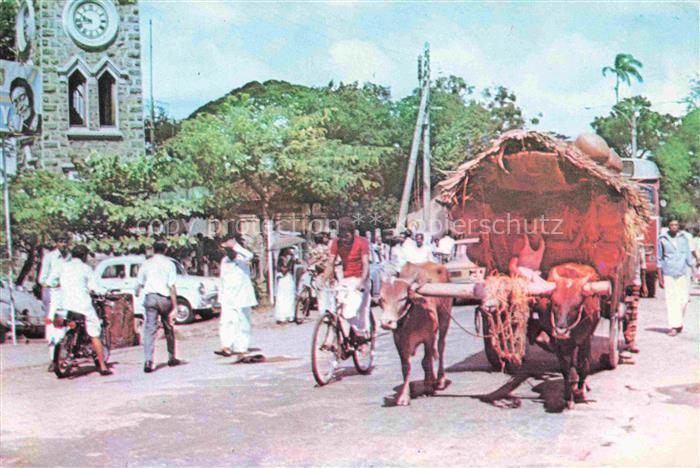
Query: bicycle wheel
x=303 y=303
x=324 y=349
x=363 y=356
x=62 y=361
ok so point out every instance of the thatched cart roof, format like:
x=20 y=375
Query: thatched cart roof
x=526 y=171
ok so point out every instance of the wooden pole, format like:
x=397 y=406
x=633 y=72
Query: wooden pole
x=415 y=143
x=427 y=192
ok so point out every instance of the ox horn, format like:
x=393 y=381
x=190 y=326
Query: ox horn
x=541 y=289
x=601 y=288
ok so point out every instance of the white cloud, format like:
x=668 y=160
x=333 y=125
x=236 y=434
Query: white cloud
x=355 y=60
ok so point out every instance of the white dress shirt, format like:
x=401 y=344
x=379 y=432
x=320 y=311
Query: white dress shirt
x=157 y=275
x=77 y=280
x=415 y=254
x=51 y=265
x=445 y=246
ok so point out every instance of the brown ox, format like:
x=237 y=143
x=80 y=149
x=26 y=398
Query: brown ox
x=416 y=320
x=570 y=320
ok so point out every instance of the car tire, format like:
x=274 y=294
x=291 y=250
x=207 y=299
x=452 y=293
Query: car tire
x=184 y=313
x=206 y=314
x=3 y=332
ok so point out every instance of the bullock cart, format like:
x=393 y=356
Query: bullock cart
x=587 y=213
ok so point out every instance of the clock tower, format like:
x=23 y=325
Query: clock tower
x=89 y=54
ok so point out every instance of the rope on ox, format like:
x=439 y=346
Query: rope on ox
x=507 y=312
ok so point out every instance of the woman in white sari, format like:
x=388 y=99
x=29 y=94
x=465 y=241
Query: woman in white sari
x=286 y=288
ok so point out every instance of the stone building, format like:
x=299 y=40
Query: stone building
x=89 y=53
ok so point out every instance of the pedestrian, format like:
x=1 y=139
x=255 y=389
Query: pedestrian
x=445 y=247
x=237 y=296
x=77 y=281
x=286 y=291
x=420 y=252
x=49 y=279
x=674 y=262
x=157 y=278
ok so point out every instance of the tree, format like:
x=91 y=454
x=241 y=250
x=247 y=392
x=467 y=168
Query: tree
x=8 y=12
x=679 y=162
x=103 y=205
x=653 y=128
x=272 y=155
x=625 y=66
x=163 y=127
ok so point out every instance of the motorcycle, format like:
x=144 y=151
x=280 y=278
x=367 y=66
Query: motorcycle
x=76 y=345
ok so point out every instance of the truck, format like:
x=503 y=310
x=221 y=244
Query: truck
x=646 y=173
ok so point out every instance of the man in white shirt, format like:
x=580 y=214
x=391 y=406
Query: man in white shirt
x=420 y=253
x=237 y=296
x=445 y=247
x=77 y=280
x=157 y=278
x=49 y=279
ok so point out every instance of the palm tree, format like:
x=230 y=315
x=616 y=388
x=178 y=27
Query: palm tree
x=625 y=66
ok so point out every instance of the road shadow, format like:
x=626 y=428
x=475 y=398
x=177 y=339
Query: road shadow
x=417 y=389
x=658 y=330
x=82 y=371
x=539 y=365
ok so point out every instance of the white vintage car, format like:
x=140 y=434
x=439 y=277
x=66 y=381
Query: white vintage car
x=29 y=311
x=195 y=294
x=461 y=269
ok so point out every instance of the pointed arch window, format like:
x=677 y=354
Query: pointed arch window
x=107 y=99
x=77 y=99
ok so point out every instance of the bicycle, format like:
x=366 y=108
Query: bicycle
x=306 y=299
x=331 y=344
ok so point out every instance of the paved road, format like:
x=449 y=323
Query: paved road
x=211 y=412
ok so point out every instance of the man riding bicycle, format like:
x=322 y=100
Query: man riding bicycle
x=353 y=252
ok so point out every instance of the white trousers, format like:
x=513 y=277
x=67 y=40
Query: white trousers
x=51 y=298
x=235 y=329
x=355 y=303
x=676 y=299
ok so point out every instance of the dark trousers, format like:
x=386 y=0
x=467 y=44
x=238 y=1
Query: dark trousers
x=157 y=306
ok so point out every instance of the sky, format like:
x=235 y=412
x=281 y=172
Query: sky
x=549 y=53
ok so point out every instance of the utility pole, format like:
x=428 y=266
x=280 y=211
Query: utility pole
x=153 y=109
x=424 y=80
x=634 y=132
x=427 y=195
x=8 y=240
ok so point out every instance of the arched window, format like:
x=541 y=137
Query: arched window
x=77 y=100
x=107 y=98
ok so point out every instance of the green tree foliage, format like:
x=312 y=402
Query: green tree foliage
x=679 y=162
x=625 y=66
x=272 y=155
x=653 y=128
x=104 y=205
x=160 y=130
x=8 y=13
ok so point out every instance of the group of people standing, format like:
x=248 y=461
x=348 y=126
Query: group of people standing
x=67 y=283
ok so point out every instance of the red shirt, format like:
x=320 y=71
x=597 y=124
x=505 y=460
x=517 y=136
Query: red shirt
x=352 y=256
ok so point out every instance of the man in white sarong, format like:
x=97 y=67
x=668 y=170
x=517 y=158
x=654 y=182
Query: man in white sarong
x=49 y=279
x=237 y=296
x=674 y=262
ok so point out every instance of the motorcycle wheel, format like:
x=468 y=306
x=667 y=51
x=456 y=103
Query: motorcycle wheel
x=62 y=360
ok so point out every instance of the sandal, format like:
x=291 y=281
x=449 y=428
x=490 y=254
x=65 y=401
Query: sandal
x=223 y=353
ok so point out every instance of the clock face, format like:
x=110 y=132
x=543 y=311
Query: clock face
x=92 y=24
x=91 y=20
